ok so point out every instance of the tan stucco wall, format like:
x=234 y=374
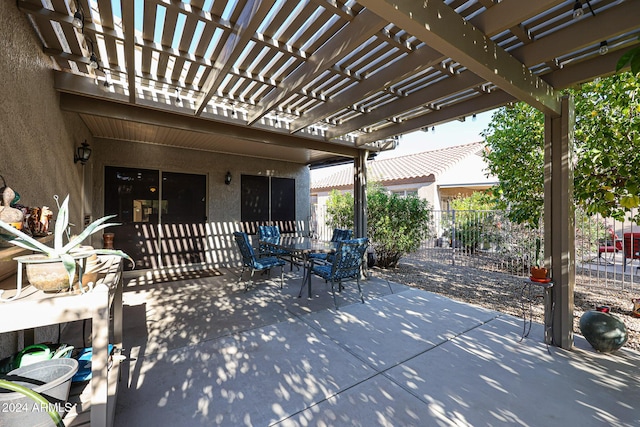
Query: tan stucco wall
x=223 y=201
x=37 y=140
x=471 y=170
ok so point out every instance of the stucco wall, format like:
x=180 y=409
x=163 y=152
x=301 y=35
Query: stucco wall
x=471 y=170
x=37 y=140
x=223 y=201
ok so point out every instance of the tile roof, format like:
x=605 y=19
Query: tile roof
x=424 y=166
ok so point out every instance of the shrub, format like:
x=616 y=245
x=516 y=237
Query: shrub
x=395 y=225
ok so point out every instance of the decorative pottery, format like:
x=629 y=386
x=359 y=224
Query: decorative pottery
x=604 y=331
x=107 y=239
x=92 y=269
x=539 y=272
x=46 y=274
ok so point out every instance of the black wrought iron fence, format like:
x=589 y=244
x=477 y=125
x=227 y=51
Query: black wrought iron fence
x=481 y=239
x=607 y=252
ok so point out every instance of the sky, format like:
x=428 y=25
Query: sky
x=445 y=135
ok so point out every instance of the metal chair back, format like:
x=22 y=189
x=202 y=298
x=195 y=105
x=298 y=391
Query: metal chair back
x=249 y=259
x=346 y=265
x=246 y=250
x=341 y=234
x=348 y=258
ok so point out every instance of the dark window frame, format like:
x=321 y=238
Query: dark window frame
x=279 y=207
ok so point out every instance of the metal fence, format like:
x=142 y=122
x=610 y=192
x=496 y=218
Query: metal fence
x=607 y=252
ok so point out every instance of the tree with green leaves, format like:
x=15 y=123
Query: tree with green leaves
x=606 y=150
x=515 y=138
x=340 y=210
x=631 y=57
x=395 y=225
x=476 y=201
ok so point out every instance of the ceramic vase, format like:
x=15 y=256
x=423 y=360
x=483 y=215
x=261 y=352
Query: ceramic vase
x=604 y=331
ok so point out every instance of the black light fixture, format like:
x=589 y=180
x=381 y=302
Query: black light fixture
x=105 y=85
x=93 y=58
x=78 y=17
x=604 y=48
x=178 y=101
x=227 y=178
x=578 y=11
x=93 y=61
x=82 y=153
x=78 y=20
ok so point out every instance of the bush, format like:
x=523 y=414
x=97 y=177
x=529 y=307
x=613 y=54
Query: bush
x=340 y=210
x=395 y=225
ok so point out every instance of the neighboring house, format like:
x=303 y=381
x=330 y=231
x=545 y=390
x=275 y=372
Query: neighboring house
x=437 y=176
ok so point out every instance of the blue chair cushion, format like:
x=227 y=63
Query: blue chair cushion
x=267 y=262
x=323 y=270
x=270 y=231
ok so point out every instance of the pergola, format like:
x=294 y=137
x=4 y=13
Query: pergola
x=321 y=81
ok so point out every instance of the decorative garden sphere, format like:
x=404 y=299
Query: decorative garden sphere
x=604 y=331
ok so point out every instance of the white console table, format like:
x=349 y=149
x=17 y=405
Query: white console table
x=34 y=308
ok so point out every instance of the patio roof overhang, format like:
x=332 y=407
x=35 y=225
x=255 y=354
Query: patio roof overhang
x=319 y=80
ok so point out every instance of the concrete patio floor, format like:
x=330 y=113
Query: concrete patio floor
x=203 y=353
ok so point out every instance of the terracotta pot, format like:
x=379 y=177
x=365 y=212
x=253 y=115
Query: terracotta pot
x=107 y=239
x=46 y=274
x=92 y=268
x=539 y=272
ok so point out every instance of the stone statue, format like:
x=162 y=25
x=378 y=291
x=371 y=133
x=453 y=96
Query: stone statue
x=7 y=213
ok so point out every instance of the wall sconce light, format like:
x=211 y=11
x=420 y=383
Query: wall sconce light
x=227 y=178
x=82 y=153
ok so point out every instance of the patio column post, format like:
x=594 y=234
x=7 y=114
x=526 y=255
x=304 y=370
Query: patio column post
x=559 y=224
x=360 y=194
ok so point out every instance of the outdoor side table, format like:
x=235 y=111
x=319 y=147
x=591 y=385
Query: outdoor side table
x=35 y=308
x=528 y=296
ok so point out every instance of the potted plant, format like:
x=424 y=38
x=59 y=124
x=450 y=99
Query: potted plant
x=67 y=258
x=538 y=272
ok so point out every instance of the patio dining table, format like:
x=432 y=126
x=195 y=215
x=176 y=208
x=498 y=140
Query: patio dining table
x=301 y=247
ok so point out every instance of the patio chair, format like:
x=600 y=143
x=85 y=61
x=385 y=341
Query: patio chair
x=610 y=246
x=250 y=260
x=339 y=234
x=631 y=248
x=272 y=232
x=346 y=265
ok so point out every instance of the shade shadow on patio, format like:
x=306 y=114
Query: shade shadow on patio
x=210 y=354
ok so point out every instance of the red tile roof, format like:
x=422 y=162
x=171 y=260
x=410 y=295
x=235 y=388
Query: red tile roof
x=423 y=167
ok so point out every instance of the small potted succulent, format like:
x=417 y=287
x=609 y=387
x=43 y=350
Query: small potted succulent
x=69 y=259
x=538 y=272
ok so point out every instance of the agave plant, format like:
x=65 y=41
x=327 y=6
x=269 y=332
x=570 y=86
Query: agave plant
x=69 y=252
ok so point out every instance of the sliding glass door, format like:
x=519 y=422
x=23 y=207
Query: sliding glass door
x=163 y=215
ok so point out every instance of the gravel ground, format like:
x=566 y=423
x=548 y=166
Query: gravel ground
x=501 y=292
